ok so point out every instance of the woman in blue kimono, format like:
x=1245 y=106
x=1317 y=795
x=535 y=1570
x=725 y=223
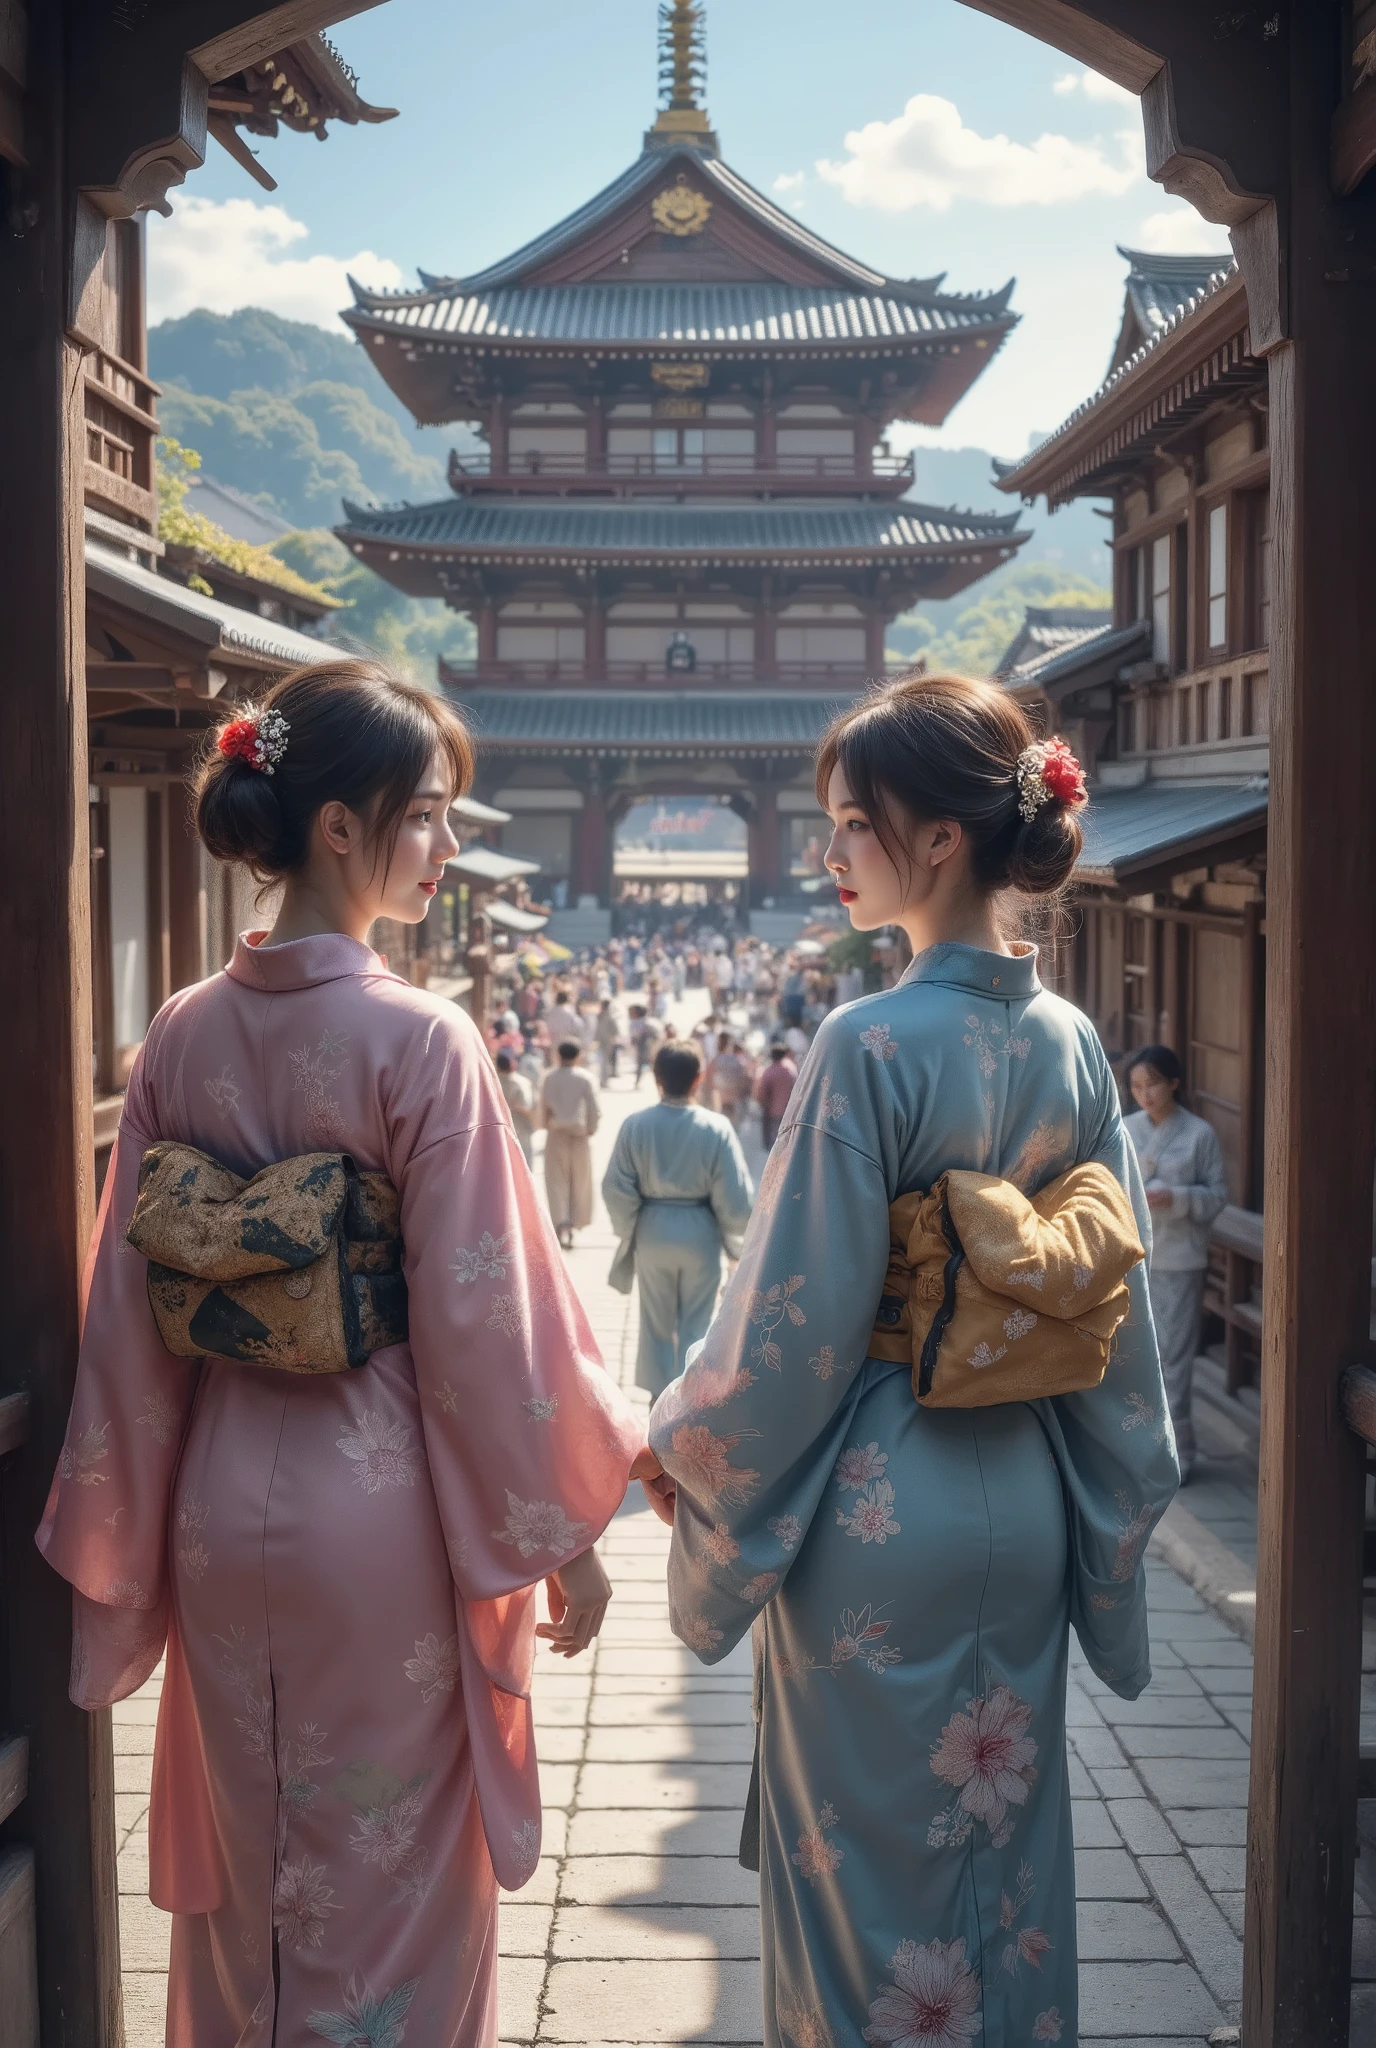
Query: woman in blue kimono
x=915 y=1572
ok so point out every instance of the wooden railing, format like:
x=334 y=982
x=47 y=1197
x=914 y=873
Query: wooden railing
x=785 y=471
x=805 y=675
x=121 y=430
x=1212 y=708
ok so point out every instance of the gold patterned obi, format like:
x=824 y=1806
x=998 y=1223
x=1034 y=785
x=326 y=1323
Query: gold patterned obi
x=992 y=1297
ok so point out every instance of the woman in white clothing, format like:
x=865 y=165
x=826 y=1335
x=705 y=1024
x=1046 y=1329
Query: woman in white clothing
x=1182 y=1166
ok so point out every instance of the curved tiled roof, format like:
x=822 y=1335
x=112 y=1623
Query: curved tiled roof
x=1007 y=474
x=701 y=313
x=511 y=526
x=219 y=627
x=862 y=305
x=647 y=719
x=1159 y=285
x=1132 y=828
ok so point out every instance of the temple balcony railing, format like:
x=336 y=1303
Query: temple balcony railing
x=535 y=472
x=842 y=678
x=120 y=406
x=1210 y=721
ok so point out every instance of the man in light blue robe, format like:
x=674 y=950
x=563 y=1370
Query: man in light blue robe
x=678 y=1194
x=913 y=1573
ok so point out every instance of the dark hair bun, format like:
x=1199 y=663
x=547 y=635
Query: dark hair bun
x=1045 y=850
x=239 y=815
x=354 y=735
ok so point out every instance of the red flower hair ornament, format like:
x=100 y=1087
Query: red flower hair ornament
x=1047 y=772
x=259 y=740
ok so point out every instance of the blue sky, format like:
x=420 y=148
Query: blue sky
x=917 y=134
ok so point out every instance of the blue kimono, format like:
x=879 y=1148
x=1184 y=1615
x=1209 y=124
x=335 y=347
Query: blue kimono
x=677 y=1191
x=915 y=1572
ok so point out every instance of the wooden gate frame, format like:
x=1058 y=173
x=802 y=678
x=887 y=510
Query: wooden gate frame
x=1241 y=108
x=1248 y=115
x=102 y=108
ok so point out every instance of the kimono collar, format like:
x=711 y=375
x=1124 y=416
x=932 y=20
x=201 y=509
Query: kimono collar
x=301 y=963
x=1009 y=979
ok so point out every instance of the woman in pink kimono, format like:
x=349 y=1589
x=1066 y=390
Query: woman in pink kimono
x=340 y=1567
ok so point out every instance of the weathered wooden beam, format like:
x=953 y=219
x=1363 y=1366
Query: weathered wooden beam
x=14 y=1773
x=250 y=40
x=1077 y=31
x=18 y=1973
x=1352 y=148
x=1359 y=1402
x=14 y=1421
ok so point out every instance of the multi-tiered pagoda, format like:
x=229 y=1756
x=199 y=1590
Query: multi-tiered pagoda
x=685 y=537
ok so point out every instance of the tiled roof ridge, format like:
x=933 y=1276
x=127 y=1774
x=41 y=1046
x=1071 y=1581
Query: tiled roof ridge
x=1213 y=285
x=382 y=519
x=511 y=269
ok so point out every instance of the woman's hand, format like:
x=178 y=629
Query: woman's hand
x=578 y=1594
x=659 y=1487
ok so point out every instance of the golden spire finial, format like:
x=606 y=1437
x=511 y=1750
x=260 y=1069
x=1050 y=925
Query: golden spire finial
x=682 y=78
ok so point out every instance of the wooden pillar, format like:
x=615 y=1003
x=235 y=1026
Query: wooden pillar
x=186 y=895
x=767 y=444
x=486 y=620
x=46 y=1139
x=595 y=639
x=764 y=843
x=596 y=457
x=1320 y=1118
x=591 y=845
x=498 y=440
x=766 y=633
x=874 y=645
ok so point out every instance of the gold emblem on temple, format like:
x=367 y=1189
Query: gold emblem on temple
x=680 y=209
x=679 y=376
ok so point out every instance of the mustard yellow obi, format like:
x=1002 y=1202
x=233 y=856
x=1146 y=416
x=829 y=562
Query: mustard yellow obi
x=992 y=1297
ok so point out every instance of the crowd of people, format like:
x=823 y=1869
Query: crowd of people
x=607 y=1017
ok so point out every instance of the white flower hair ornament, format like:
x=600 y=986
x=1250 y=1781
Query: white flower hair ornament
x=259 y=740
x=1047 y=772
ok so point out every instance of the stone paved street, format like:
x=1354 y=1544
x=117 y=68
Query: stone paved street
x=640 y=1927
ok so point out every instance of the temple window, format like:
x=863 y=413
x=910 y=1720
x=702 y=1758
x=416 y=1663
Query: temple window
x=1160 y=570
x=1218 y=576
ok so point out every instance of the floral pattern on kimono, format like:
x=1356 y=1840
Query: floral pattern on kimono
x=928 y=1565
x=340 y=1567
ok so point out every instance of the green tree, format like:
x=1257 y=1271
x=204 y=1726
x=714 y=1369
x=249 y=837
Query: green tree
x=976 y=639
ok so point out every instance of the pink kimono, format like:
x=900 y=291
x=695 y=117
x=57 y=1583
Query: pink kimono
x=341 y=1568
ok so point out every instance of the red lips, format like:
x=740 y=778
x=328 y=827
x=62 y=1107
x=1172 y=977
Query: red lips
x=428 y=888
x=847 y=895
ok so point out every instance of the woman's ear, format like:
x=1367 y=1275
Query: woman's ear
x=946 y=836
x=338 y=827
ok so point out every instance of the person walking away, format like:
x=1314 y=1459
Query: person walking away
x=338 y=1564
x=850 y=985
x=728 y=1079
x=914 y=1571
x=519 y=1097
x=568 y=1112
x=773 y=1087
x=562 y=1019
x=1182 y=1165
x=792 y=996
x=608 y=1038
x=678 y=1194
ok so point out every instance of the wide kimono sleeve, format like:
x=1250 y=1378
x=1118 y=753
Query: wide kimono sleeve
x=752 y=1427
x=529 y=1440
x=733 y=1193
x=528 y=1437
x=1204 y=1198
x=105 y=1524
x=1116 y=1449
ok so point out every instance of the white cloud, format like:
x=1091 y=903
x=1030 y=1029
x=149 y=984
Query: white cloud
x=790 y=181
x=1094 y=86
x=926 y=156
x=224 y=254
x=1180 y=231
